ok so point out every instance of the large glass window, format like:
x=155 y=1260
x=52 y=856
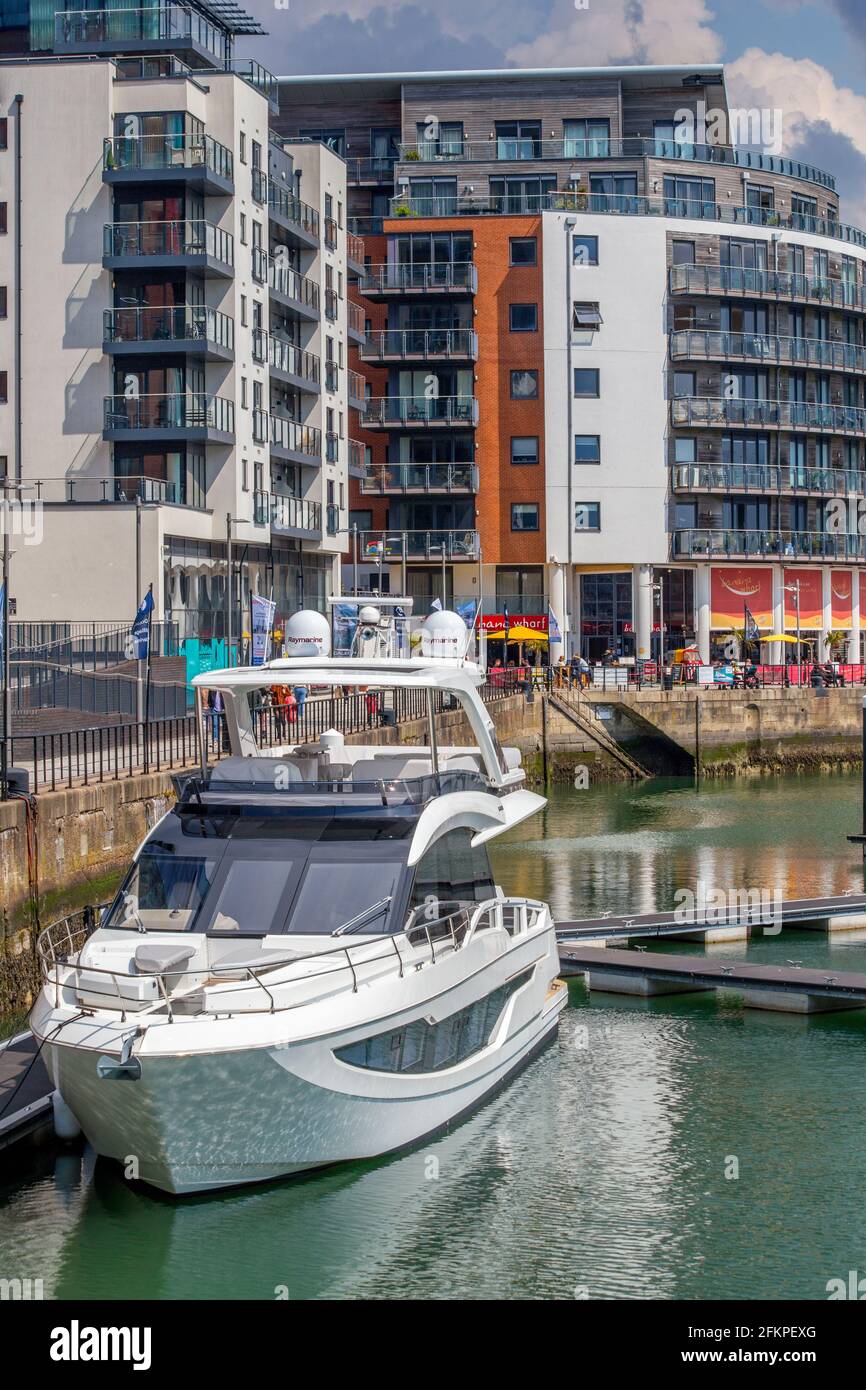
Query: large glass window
x=163 y=890
x=452 y=870
x=334 y=891
x=586 y=139
x=423 y=1046
x=687 y=196
x=518 y=139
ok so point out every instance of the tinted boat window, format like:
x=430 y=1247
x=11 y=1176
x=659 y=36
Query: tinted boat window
x=333 y=893
x=250 y=895
x=161 y=883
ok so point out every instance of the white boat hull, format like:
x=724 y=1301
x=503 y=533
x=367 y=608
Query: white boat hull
x=203 y=1119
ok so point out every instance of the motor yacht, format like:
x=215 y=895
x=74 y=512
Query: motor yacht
x=308 y=960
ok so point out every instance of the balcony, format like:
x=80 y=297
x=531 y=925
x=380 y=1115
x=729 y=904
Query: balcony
x=161 y=28
x=356 y=323
x=192 y=244
x=288 y=516
x=87 y=491
x=264 y=82
x=294 y=291
x=783 y=415
x=186 y=328
x=294 y=216
x=421 y=345
x=766 y=479
x=357 y=456
x=375 y=169
x=385 y=479
x=357 y=389
x=287 y=438
x=457 y=546
x=419 y=412
x=330 y=230
x=355 y=253
x=190 y=415
x=285 y=360
x=432 y=277
x=465 y=204
x=523 y=149
x=198 y=161
x=702 y=544
x=709 y=345
x=259 y=186
x=766 y=284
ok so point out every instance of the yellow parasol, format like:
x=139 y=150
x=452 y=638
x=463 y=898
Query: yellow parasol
x=518 y=633
x=778 y=637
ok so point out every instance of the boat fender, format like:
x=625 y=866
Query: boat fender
x=65 y=1124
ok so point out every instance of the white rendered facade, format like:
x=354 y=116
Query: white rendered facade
x=192 y=338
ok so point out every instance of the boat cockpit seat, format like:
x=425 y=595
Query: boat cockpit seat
x=160 y=959
x=254 y=770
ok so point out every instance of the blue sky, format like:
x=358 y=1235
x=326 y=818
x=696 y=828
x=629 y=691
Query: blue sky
x=806 y=58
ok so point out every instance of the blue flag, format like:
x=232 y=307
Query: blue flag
x=751 y=631
x=141 y=628
x=468 y=612
x=553 y=632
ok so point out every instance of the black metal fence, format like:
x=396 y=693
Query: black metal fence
x=37 y=685
x=115 y=751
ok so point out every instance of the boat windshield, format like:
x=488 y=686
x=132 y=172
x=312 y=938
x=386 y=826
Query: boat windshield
x=263 y=887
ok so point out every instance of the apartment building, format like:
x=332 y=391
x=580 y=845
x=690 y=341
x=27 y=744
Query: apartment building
x=175 y=344
x=655 y=409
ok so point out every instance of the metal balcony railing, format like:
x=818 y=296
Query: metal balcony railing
x=383 y=478
x=294 y=513
x=786 y=415
x=776 y=544
x=357 y=386
x=766 y=284
x=419 y=545
x=161 y=23
x=357 y=455
x=703 y=344
x=420 y=410
x=178 y=411
x=189 y=237
x=330 y=233
x=294 y=437
x=332 y=304
x=283 y=280
x=258 y=77
x=356 y=318
x=424 y=276
x=287 y=357
x=179 y=322
x=259 y=182
x=354 y=248
x=289 y=208
x=422 y=344
x=167 y=152
x=332 y=376
x=764 y=478
x=521 y=148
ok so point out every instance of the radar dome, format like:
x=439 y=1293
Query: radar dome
x=307 y=633
x=444 y=634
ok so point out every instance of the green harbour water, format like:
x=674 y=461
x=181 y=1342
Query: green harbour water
x=604 y=1169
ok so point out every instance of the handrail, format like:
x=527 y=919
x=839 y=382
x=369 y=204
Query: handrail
x=459 y=926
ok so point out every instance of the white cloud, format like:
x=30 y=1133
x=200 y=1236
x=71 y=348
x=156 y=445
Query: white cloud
x=623 y=31
x=808 y=96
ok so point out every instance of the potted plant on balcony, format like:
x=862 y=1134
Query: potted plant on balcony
x=404 y=210
x=413 y=154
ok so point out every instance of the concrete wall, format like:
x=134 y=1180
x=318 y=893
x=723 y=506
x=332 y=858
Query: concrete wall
x=771 y=730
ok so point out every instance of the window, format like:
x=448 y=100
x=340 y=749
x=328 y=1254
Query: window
x=586 y=381
x=524 y=448
x=3 y=223
x=683 y=253
x=4 y=134
x=687 y=196
x=243 y=147
x=522 y=250
x=243 y=311
x=445 y=143
x=363 y=520
x=587 y=139
x=584 y=250
x=3 y=309
x=452 y=870
x=523 y=318
x=587 y=516
x=4 y=387
x=164 y=882
x=524 y=516
x=334 y=138
x=586 y=316
x=685 y=449
x=521 y=192
x=243 y=229
x=587 y=448
x=243 y=393
x=425 y=1046
x=613 y=193
x=524 y=385
x=684 y=385
x=518 y=139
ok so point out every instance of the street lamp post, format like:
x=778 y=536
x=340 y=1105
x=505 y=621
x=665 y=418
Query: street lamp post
x=794 y=588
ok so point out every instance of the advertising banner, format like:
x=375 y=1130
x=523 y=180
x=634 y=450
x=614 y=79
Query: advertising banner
x=732 y=590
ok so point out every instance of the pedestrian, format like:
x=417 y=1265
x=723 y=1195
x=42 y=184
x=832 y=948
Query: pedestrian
x=574 y=671
x=301 y=697
x=278 y=705
x=215 y=705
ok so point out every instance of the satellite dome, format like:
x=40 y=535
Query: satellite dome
x=444 y=634
x=307 y=633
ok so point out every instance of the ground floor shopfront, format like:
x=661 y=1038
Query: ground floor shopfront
x=643 y=611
